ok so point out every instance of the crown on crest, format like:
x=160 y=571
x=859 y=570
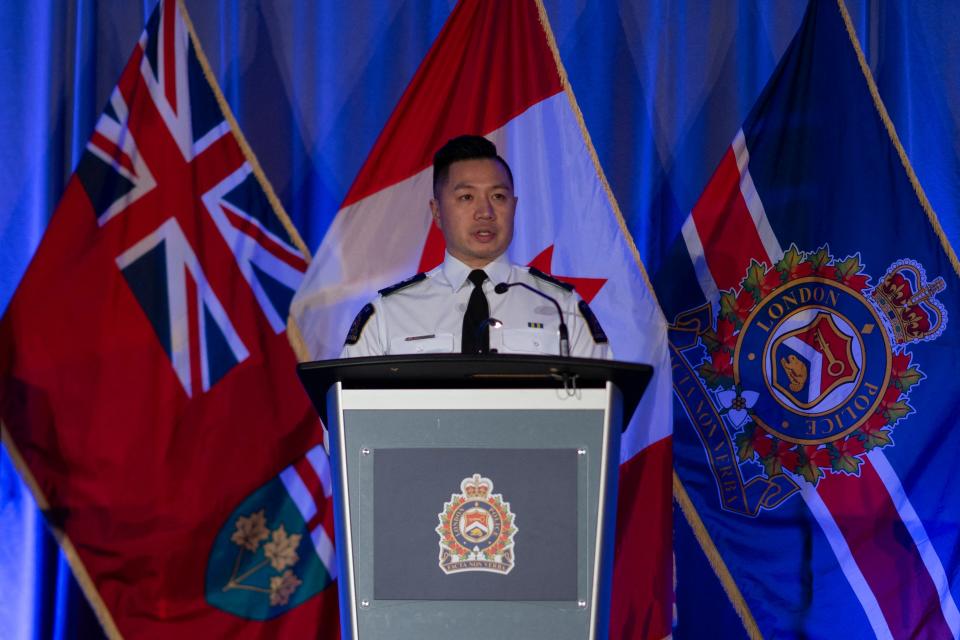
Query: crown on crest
x=909 y=304
x=476 y=487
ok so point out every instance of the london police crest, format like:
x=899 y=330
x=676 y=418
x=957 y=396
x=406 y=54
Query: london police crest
x=808 y=369
x=476 y=530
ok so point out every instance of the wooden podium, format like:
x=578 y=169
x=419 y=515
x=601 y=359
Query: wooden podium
x=475 y=496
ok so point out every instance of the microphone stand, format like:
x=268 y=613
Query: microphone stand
x=564 y=332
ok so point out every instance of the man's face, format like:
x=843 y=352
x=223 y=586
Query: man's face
x=474 y=210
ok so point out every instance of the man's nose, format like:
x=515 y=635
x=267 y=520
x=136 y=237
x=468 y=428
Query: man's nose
x=485 y=209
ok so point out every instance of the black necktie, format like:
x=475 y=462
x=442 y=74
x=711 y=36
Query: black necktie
x=476 y=330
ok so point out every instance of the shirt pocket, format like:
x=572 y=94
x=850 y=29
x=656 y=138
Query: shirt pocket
x=439 y=343
x=531 y=341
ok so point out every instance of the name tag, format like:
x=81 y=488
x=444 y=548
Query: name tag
x=531 y=341
x=434 y=343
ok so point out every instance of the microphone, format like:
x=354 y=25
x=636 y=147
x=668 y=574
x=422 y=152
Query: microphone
x=487 y=324
x=564 y=334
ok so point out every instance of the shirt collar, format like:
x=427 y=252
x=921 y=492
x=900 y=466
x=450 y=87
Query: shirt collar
x=456 y=272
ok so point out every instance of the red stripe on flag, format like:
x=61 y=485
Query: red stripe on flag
x=482 y=45
x=433 y=250
x=170 y=54
x=642 y=595
x=278 y=250
x=885 y=552
x=314 y=487
x=727 y=232
x=116 y=154
x=195 y=324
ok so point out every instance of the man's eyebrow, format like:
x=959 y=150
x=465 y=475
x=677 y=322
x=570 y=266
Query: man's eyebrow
x=471 y=185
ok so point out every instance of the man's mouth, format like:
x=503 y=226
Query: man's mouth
x=485 y=235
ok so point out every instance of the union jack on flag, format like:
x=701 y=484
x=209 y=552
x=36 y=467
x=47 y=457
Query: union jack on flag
x=195 y=139
x=147 y=386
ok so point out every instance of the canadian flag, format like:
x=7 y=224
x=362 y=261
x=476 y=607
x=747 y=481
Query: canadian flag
x=494 y=70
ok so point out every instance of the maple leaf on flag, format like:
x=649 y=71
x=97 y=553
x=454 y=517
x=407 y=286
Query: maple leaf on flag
x=844 y=455
x=781 y=456
x=736 y=307
x=819 y=261
x=586 y=287
x=792 y=265
x=904 y=375
x=759 y=281
x=848 y=272
x=873 y=434
x=282 y=549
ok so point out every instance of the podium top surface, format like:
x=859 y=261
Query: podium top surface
x=457 y=371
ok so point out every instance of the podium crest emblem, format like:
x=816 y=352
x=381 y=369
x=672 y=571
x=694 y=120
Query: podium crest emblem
x=476 y=530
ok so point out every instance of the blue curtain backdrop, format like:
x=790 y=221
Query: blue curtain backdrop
x=663 y=87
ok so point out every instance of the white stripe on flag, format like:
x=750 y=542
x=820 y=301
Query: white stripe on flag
x=318 y=459
x=325 y=550
x=564 y=204
x=919 y=534
x=370 y=245
x=298 y=493
x=847 y=563
x=695 y=248
x=752 y=199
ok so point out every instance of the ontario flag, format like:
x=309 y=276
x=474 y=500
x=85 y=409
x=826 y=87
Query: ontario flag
x=147 y=386
x=494 y=71
x=813 y=300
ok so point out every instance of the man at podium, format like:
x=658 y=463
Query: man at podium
x=476 y=301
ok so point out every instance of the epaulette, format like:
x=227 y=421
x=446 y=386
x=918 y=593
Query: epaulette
x=592 y=323
x=402 y=285
x=353 y=336
x=536 y=273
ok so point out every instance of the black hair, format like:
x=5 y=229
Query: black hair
x=463 y=148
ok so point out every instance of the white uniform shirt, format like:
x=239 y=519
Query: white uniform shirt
x=427 y=316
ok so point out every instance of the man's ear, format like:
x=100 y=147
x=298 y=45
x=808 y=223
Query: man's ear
x=435 y=212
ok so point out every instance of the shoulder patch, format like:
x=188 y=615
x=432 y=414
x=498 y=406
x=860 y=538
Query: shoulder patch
x=595 y=329
x=536 y=273
x=402 y=285
x=353 y=336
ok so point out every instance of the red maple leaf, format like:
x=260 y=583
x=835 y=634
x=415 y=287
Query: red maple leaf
x=744 y=305
x=827 y=272
x=789 y=459
x=901 y=362
x=856 y=282
x=800 y=270
x=849 y=447
x=725 y=334
x=890 y=396
x=586 y=287
x=762 y=444
x=874 y=423
x=722 y=362
x=817 y=455
x=770 y=281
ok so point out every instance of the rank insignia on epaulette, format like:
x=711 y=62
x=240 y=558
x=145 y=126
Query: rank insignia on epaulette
x=535 y=325
x=402 y=285
x=353 y=336
x=536 y=273
x=592 y=323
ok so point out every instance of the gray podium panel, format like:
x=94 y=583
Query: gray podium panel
x=411 y=458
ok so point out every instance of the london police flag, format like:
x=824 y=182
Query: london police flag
x=492 y=71
x=813 y=303
x=147 y=387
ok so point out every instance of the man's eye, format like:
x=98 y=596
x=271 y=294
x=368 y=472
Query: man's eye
x=466 y=197
x=499 y=196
